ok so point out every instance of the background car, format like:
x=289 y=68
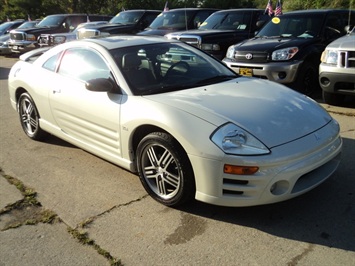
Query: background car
x=125 y=22
x=58 y=38
x=287 y=49
x=184 y=121
x=6 y=27
x=179 y=19
x=24 y=40
x=222 y=29
x=4 y=39
x=337 y=69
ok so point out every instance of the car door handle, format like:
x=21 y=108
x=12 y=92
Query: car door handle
x=56 y=91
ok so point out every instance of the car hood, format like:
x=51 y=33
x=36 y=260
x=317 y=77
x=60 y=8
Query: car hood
x=271 y=112
x=272 y=43
x=343 y=43
x=160 y=32
x=202 y=32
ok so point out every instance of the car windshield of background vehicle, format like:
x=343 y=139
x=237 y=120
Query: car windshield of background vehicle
x=165 y=67
x=171 y=19
x=295 y=26
x=51 y=21
x=231 y=21
x=127 y=17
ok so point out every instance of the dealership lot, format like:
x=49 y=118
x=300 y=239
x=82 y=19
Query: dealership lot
x=110 y=205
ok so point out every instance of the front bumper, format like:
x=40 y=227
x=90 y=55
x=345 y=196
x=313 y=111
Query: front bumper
x=332 y=81
x=5 y=50
x=22 y=47
x=289 y=171
x=281 y=72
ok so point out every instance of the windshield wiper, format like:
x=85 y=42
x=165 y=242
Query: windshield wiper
x=216 y=79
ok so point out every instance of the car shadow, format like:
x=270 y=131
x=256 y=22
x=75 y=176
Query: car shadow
x=323 y=216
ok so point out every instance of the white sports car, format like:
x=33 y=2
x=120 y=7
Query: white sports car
x=185 y=122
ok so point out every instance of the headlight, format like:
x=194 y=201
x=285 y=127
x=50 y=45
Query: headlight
x=284 y=54
x=230 y=52
x=31 y=37
x=234 y=140
x=59 y=39
x=210 y=47
x=329 y=57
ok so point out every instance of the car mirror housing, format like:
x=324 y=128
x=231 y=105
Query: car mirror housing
x=102 y=85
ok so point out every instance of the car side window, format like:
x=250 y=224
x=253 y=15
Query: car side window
x=84 y=64
x=51 y=63
x=334 y=28
x=201 y=17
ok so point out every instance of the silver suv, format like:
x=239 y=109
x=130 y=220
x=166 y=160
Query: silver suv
x=337 y=69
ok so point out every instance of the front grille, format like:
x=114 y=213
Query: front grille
x=347 y=59
x=193 y=40
x=18 y=36
x=233 y=187
x=88 y=33
x=44 y=39
x=254 y=57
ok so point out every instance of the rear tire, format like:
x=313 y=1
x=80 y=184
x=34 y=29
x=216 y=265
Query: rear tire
x=165 y=170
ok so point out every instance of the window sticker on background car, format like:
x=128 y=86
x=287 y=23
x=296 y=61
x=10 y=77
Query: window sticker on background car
x=276 y=20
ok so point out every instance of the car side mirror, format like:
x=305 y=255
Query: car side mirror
x=102 y=85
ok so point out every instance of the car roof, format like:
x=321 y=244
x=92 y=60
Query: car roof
x=118 y=41
x=316 y=11
x=239 y=10
x=144 y=10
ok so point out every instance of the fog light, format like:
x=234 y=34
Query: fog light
x=324 y=81
x=282 y=75
x=279 y=187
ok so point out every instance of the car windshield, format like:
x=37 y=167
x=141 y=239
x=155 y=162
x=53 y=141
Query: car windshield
x=127 y=17
x=164 y=67
x=51 y=21
x=227 y=21
x=4 y=26
x=28 y=24
x=172 y=20
x=296 y=25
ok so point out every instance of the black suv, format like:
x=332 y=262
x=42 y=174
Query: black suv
x=288 y=48
x=178 y=19
x=125 y=22
x=222 y=29
x=24 y=40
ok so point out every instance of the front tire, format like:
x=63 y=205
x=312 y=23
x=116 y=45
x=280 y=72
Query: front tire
x=165 y=170
x=29 y=117
x=307 y=79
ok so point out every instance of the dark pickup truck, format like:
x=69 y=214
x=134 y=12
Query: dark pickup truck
x=125 y=22
x=24 y=40
x=222 y=29
x=179 y=19
x=288 y=48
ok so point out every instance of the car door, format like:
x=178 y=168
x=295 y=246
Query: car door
x=89 y=118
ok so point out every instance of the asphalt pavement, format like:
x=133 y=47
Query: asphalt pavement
x=60 y=205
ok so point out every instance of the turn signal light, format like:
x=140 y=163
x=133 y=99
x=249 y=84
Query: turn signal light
x=240 y=170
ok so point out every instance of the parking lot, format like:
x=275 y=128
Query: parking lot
x=108 y=208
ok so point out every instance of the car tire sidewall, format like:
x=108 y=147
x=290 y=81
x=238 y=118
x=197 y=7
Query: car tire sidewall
x=38 y=133
x=187 y=189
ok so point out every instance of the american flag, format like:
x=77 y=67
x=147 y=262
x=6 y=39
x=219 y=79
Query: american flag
x=278 y=10
x=269 y=8
x=166 y=8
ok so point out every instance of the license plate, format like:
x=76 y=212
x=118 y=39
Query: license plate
x=14 y=47
x=246 y=71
